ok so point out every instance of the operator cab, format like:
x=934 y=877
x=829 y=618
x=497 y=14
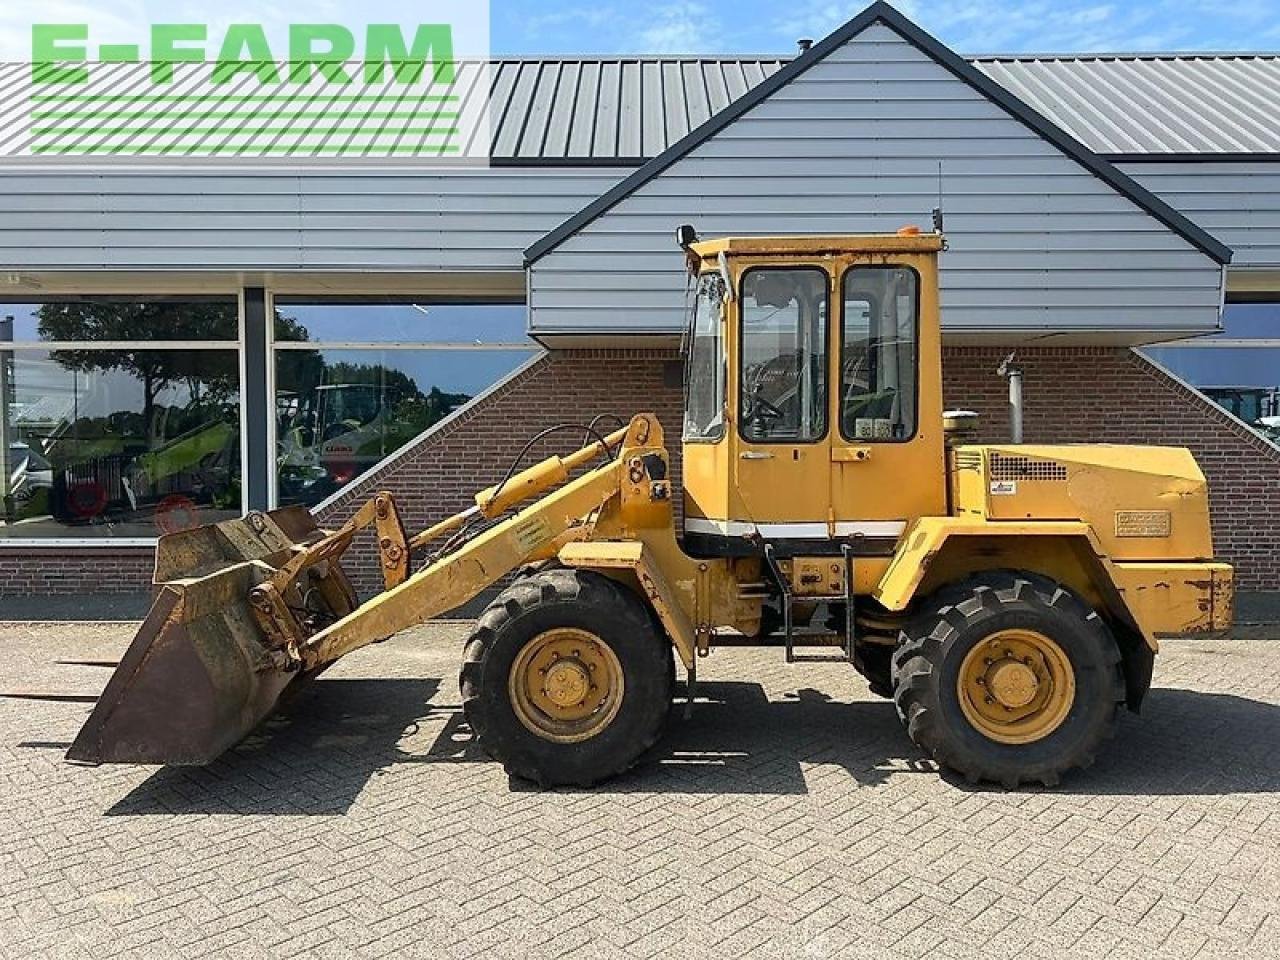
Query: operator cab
x=813 y=400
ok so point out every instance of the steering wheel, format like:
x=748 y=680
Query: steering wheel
x=762 y=408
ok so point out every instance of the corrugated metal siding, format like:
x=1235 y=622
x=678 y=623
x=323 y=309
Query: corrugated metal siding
x=1152 y=104
x=272 y=218
x=1036 y=240
x=1238 y=202
x=606 y=109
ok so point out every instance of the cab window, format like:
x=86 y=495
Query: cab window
x=878 y=357
x=704 y=364
x=783 y=381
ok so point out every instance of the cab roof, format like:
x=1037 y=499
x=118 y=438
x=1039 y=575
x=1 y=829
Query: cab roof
x=820 y=245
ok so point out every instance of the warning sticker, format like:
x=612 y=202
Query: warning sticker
x=529 y=534
x=1004 y=488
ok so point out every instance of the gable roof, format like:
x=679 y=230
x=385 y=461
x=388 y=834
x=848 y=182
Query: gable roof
x=881 y=12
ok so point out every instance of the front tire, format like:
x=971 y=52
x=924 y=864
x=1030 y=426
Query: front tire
x=566 y=680
x=1008 y=677
x=874 y=661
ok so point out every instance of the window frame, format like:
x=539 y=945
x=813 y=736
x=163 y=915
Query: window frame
x=824 y=339
x=237 y=346
x=915 y=342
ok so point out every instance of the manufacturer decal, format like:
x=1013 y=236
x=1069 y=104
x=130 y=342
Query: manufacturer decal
x=1144 y=523
x=1004 y=488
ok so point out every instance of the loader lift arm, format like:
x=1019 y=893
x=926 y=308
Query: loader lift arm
x=453 y=576
x=457 y=577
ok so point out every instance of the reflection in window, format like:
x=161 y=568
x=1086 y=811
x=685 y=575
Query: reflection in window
x=136 y=319
x=783 y=392
x=118 y=443
x=1238 y=369
x=400 y=323
x=352 y=388
x=878 y=353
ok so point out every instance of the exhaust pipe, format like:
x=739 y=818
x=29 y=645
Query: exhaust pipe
x=1014 y=374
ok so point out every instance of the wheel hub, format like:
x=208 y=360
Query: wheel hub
x=1016 y=686
x=1013 y=684
x=566 y=685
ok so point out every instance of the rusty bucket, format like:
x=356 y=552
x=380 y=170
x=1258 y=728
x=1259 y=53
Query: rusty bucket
x=201 y=673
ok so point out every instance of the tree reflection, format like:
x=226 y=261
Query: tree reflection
x=113 y=460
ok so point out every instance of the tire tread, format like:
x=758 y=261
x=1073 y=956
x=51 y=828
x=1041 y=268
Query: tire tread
x=923 y=643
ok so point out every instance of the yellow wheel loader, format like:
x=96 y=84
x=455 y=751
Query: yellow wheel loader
x=1008 y=598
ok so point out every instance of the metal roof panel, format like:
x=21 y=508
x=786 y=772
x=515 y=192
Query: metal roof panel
x=625 y=110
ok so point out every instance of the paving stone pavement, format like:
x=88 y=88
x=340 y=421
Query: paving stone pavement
x=790 y=817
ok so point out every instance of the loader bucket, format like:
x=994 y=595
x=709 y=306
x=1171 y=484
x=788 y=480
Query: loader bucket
x=200 y=673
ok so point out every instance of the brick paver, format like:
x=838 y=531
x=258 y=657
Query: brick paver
x=790 y=817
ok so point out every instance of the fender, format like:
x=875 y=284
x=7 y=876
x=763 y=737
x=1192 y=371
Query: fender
x=1067 y=550
x=632 y=555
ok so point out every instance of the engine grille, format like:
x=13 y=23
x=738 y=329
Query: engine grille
x=1004 y=467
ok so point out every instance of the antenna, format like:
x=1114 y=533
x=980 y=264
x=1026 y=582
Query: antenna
x=937 y=211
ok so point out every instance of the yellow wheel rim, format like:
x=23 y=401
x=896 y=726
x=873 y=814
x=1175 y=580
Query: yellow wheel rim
x=566 y=685
x=1016 y=686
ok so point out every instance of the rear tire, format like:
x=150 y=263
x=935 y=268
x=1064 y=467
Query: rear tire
x=1001 y=621
x=587 y=627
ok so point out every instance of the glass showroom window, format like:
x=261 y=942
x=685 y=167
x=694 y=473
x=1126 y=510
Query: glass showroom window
x=119 y=418
x=1239 y=368
x=356 y=382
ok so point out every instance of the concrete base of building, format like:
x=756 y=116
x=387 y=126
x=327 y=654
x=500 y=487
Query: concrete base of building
x=76 y=607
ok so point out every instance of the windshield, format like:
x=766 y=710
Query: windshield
x=704 y=369
x=359 y=403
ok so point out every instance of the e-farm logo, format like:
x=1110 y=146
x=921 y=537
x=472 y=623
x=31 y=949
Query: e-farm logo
x=382 y=90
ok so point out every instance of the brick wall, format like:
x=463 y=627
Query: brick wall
x=1080 y=394
x=65 y=571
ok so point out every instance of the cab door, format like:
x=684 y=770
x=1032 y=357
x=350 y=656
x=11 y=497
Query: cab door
x=781 y=445
x=887 y=449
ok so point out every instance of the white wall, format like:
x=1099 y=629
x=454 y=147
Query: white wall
x=852 y=145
